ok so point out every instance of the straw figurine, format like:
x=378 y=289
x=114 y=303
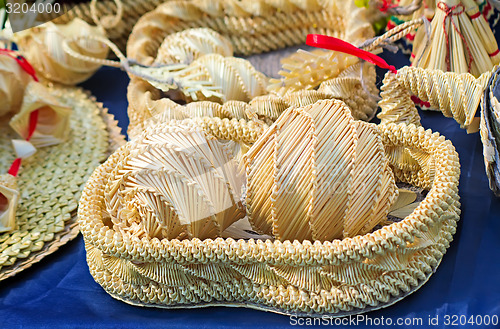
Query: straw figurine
x=9 y=197
x=460 y=40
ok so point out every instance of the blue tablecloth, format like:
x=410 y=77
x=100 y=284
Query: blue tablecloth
x=59 y=292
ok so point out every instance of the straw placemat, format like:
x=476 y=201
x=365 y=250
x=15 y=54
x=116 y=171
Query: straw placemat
x=51 y=181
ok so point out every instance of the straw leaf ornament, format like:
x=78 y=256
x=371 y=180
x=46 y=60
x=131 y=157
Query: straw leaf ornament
x=301 y=175
x=186 y=46
x=43 y=46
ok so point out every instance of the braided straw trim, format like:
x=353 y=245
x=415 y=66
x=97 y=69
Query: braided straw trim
x=146 y=101
x=252 y=26
x=315 y=278
x=456 y=95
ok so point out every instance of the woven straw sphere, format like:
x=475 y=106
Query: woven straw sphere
x=317 y=174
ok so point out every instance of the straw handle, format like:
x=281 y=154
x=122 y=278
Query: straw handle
x=106 y=62
x=393 y=35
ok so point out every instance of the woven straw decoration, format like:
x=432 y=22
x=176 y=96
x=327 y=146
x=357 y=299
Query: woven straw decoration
x=47 y=203
x=252 y=26
x=52 y=121
x=13 y=81
x=144 y=45
x=332 y=170
x=461 y=40
x=119 y=32
x=456 y=95
x=43 y=47
x=396 y=105
x=236 y=77
x=9 y=197
x=490 y=137
x=349 y=275
x=186 y=46
x=173 y=183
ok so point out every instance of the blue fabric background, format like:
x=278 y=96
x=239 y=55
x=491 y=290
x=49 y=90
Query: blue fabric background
x=60 y=293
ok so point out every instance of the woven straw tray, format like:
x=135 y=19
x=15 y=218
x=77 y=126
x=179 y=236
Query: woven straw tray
x=44 y=224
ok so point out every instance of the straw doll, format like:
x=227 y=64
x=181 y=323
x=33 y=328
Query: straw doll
x=460 y=40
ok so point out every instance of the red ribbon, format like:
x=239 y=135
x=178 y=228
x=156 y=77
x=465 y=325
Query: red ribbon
x=385 y=5
x=23 y=63
x=448 y=13
x=331 y=43
x=26 y=66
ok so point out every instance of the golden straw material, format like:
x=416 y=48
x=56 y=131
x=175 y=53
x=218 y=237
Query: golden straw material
x=252 y=26
x=50 y=182
x=52 y=119
x=13 y=81
x=457 y=42
x=355 y=86
x=456 y=95
x=396 y=105
x=235 y=78
x=43 y=47
x=337 y=277
x=317 y=175
x=189 y=45
x=308 y=69
x=173 y=183
x=9 y=197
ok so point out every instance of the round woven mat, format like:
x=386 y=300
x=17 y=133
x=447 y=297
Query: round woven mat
x=51 y=181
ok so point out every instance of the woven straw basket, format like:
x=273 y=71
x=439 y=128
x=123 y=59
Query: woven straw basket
x=307 y=277
x=336 y=277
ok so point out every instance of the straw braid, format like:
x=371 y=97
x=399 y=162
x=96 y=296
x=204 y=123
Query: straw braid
x=396 y=105
x=253 y=27
x=237 y=130
x=456 y=95
x=132 y=11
